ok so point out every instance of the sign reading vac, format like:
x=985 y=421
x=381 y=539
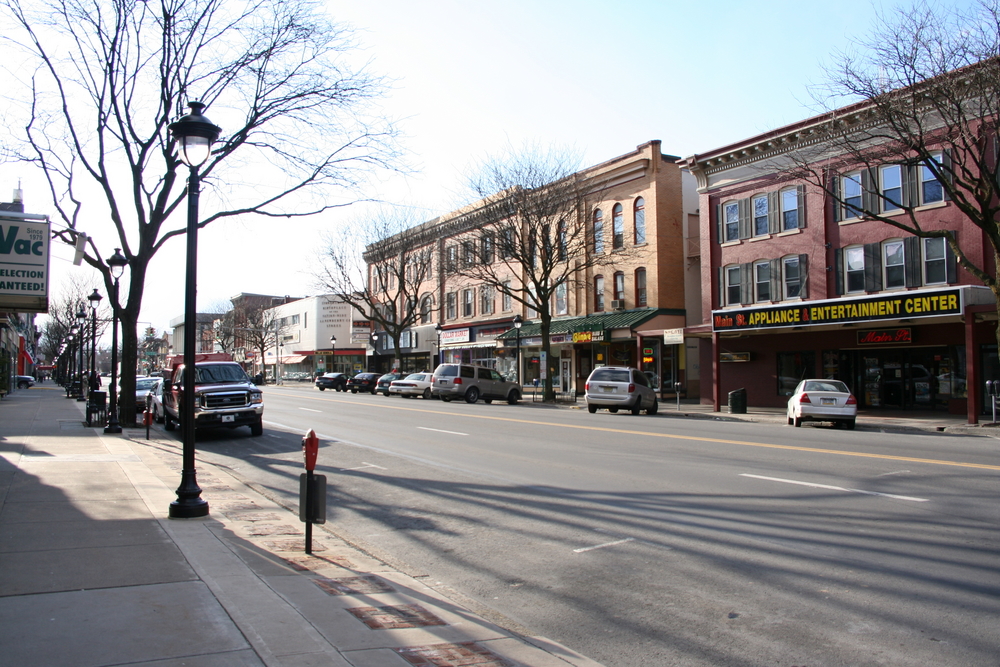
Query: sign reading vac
x=896 y=306
x=24 y=265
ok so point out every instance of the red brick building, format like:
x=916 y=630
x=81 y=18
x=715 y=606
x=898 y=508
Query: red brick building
x=798 y=282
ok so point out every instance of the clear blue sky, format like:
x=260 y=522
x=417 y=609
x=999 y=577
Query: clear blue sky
x=470 y=77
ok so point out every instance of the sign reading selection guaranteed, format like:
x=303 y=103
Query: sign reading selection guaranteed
x=24 y=265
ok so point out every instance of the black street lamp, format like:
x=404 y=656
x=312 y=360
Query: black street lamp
x=194 y=135
x=437 y=330
x=81 y=318
x=333 y=354
x=374 y=351
x=116 y=263
x=95 y=301
x=518 y=322
x=71 y=353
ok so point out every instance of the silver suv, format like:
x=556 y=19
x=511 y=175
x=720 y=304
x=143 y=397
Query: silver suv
x=615 y=387
x=472 y=383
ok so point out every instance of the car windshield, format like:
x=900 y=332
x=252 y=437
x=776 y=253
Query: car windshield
x=415 y=376
x=610 y=375
x=447 y=371
x=826 y=385
x=145 y=384
x=219 y=373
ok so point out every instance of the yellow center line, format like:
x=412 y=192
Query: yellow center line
x=742 y=443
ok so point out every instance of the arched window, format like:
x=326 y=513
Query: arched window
x=598 y=294
x=426 y=304
x=639 y=216
x=640 y=288
x=598 y=231
x=617 y=227
x=619 y=286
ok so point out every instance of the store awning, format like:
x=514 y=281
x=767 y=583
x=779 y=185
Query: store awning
x=453 y=346
x=626 y=319
x=293 y=359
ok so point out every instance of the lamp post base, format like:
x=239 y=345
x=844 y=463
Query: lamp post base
x=188 y=508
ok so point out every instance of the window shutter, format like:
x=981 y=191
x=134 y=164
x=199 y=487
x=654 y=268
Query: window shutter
x=908 y=185
x=803 y=276
x=745 y=218
x=746 y=284
x=911 y=261
x=800 y=196
x=951 y=262
x=838 y=270
x=873 y=267
x=946 y=168
x=869 y=196
x=773 y=212
x=720 y=276
x=836 y=188
x=776 y=291
x=719 y=238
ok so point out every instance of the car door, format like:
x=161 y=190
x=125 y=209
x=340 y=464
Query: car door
x=500 y=386
x=485 y=383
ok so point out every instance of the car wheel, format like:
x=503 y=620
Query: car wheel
x=591 y=408
x=797 y=422
x=22 y=385
x=613 y=410
x=513 y=397
x=354 y=391
x=158 y=416
x=257 y=428
x=653 y=409
x=374 y=391
x=488 y=401
x=637 y=408
x=850 y=424
x=472 y=395
x=321 y=388
x=427 y=393
x=446 y=399
x=168 y=423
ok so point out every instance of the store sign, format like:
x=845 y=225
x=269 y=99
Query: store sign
x=885 y=336
x=588 y=336
x=835 y=311
x=360 y=331
x=455 y=336
x=24 y=266
x=490 y=333
x=734 y=356
x=673 y=336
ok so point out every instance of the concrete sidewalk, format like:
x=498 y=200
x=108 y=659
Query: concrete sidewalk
x=93 y=573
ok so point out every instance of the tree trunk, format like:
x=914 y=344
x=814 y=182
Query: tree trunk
x=548 y=394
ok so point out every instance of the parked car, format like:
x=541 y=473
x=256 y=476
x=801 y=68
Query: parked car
x=143 y=387
x=156 y=402
x=472 y=383
x=363 y=382
x=414 y=384
x=618 y=387
x=823 y=400
x=25 y=381
x=335 y=381
x=385 y=381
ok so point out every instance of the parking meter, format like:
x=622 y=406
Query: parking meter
x=310 y=449
x=992 y=388
x=677 y=390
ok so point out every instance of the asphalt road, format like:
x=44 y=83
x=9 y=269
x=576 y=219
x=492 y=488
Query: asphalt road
x=660 y=540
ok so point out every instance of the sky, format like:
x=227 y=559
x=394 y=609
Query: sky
x=472 y=77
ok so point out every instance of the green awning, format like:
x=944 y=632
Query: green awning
x=625 y=319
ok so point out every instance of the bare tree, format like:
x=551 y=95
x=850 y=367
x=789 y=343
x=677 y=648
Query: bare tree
x=62 y=316
x=529 y=238
x=382 y=266
x=108 y=78
x=224 y=327
x=260 y=330
x=928 y=80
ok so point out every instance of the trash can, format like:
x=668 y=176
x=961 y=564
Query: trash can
x=738 y=402
x=97 y=408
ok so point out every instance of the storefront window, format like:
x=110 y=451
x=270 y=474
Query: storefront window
x=793 y=367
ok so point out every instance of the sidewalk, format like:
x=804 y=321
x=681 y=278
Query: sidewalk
x=92 y=572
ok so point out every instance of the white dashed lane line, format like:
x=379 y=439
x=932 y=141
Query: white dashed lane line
x=836 y=488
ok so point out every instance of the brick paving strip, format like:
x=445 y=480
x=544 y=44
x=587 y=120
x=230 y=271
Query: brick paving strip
x=395 y=617
x=465 y=654
x=365 y=585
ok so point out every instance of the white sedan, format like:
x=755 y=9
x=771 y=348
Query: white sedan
x=823 y=401
x=414 y=384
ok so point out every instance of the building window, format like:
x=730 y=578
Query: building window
x=790 y=210
x=731 y=223
x=468 y=253
x=619 y=286
x=561 y=306
x=598 y=231
x=935 y=264
x=426 y=305
x=854 y=269
x=640 y=221
x=640 y=288
x=449 y=300
x=792 y=275
x=506 y=243
x=508 y=300
x=850 y=186
x=760 y=219
x=732 y=275
x=486 y=299
x=894 y=264
x=467 y=303
x=598 y=294
x=563 y=250
x=891 y=187
x=762 y=281
x=618 y=227
x=451 y=258
x=487 y=243
x=930 y=187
